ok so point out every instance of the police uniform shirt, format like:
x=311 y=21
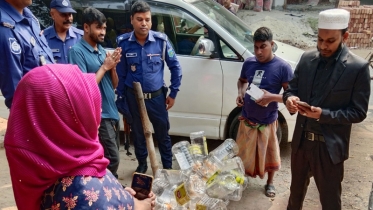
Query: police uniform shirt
x=22 y=47
x=144 y=64
x=60 y=49
x=90 y=60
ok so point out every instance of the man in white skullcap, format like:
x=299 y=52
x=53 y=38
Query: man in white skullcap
x=336 y=85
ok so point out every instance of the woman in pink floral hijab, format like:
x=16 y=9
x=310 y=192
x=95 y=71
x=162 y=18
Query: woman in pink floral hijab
x=55 y=158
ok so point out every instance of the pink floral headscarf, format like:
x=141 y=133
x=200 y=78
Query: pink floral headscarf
x=53 y=131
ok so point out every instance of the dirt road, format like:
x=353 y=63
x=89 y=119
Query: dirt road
x=356 y=185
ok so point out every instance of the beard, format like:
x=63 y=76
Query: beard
x=95 y=38
x=339 y=47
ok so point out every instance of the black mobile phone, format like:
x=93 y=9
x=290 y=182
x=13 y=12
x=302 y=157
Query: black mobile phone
x=302 y=103
x=142 y=184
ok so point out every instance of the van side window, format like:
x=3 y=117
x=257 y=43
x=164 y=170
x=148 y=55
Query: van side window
x=182 y=29
x=228 y=52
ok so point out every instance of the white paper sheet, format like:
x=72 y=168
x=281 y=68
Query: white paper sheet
x=254 y=91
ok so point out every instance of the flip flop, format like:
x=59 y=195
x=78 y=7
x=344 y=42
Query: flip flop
x=270 y=190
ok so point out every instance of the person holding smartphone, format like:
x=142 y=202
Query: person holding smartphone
x=256 y=137
x=336 y=83
x=55 y=158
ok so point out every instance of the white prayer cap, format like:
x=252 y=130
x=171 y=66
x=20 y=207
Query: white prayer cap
x=334 y=19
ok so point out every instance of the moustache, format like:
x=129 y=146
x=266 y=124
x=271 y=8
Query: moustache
x=67 y=22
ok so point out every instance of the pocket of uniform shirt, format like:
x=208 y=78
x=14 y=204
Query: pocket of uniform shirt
x=133 y=63
x=56 y=55
x=155 y=63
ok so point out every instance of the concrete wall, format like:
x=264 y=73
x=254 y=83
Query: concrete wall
x=278 y=2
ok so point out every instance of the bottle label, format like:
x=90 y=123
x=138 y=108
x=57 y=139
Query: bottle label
x=212 y=178
x=205 y=146
x=201 y=207
x=181 y=195
x=195 y=149
x=182 y=160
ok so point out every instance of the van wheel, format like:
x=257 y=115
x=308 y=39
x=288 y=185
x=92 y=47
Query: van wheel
x=233 y=129
x=279 y=132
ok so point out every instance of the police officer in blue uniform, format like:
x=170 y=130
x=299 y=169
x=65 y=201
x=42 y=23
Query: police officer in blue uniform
x=61 y=36
x=143 y=55
x=22 y=45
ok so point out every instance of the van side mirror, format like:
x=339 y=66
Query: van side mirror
x=214 y=54
x=203 y=47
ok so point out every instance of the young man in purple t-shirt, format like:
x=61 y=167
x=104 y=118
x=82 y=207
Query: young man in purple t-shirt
x=256 y=137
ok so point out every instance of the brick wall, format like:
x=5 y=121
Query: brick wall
x=360 y=25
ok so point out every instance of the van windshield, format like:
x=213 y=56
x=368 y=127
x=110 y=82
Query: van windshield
x=230 y=22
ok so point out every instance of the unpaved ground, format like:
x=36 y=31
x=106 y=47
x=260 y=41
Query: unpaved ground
x=289 y=27
x=356 y=185
x=358 y=168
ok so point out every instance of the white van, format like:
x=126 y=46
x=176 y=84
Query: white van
x=206 y=100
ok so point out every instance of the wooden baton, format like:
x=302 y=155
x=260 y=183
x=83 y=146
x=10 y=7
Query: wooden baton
x=147 y=126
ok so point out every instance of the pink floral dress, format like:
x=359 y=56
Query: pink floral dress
x=87 y=192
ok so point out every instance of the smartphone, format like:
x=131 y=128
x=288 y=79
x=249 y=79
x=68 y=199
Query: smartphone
x=302 y=103
x=142 y=184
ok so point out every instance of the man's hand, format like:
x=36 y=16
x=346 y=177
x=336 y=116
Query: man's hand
x=112 y=60
x=169 y=102
x=239 y=101
x=291 y=104
x=314 y=112
x=265 y=99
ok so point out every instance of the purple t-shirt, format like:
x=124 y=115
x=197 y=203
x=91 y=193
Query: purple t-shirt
x=268 y=76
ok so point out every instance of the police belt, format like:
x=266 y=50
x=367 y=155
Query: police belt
x=149 y=95
x=313 y=136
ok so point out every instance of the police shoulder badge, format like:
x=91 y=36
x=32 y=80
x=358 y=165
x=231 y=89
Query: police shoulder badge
x=15 y=48
x=171 y=53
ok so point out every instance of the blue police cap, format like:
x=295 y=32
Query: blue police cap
x=63 y=6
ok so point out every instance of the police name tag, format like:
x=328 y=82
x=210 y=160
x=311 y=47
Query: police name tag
x=55 y=50
x=131 y=55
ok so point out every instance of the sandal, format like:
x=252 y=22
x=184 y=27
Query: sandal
x=270 y=190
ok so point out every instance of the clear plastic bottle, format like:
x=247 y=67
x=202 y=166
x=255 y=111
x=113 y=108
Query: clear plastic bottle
x=234 y=164
x=195 y=186
x=210 y=167
x=210 y=204
x=222 y=185
x=198 y=146
x=237 y=194
x=167 y=199
x=174 y=177
x=182 y=154
x=159 y=186
x=235 y=167
x=226 y=150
